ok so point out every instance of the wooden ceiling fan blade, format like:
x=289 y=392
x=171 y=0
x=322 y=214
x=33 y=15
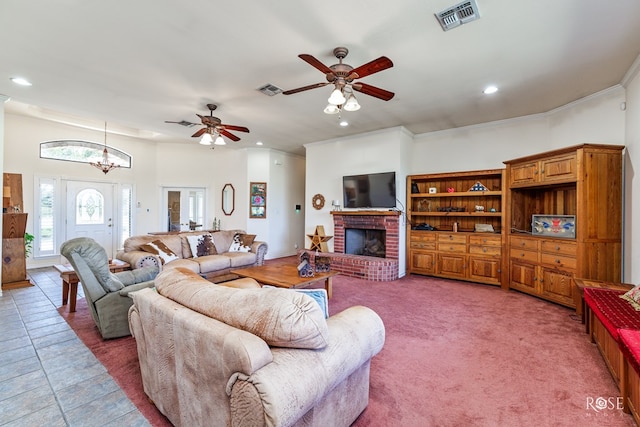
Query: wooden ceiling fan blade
x=229 y=135
x=233 y=127
x=315 y=63
x=373 y=91
x=199 y=133
x=372 y=67
x=301 y=89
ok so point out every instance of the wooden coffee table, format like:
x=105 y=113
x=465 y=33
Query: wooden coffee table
x=285 y=276
x=70 y=281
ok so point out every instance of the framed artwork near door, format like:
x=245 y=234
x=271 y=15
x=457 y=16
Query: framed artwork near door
x=257 y=200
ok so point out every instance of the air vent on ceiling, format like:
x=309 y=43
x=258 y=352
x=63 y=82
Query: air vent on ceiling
x=459 y=14
x=270 y=89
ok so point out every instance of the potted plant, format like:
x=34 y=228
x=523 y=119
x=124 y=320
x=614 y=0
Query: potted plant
x=28 y=244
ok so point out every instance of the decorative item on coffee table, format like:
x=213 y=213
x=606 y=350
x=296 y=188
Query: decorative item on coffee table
x=323 y=264
x=304 y=268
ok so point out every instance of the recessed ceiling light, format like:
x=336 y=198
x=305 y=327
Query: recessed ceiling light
x=344 y=123
x=259 y=143
x=489 y=90
x=20 y=81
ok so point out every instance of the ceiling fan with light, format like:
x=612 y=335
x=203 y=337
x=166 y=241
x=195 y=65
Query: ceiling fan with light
x=342 y=76
x=214 y=129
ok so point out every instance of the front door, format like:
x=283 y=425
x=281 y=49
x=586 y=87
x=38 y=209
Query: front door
x=90 y=212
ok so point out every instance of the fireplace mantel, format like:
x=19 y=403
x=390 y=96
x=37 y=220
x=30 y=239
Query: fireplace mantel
x=362 y=213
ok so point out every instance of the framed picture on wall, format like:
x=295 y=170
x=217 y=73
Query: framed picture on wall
x=257 y=200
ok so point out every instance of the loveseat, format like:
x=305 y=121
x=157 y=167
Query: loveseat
x=210 y=254
x=217 y=355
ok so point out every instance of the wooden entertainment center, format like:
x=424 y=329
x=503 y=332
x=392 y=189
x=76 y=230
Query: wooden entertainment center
x=582 y=184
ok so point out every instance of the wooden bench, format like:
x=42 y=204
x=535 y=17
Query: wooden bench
x=607 y=314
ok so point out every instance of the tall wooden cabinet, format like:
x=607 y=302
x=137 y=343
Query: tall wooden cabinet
x=448 y=218
x=14 y=222
x=584 y=181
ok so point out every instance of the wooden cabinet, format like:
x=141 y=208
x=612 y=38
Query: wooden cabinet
x=584 y=181
x=543 y=267
x=444 y=210
x=561 y=168
x=14 y=222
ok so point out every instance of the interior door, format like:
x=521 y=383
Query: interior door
x=90 y=212
x=185 y=208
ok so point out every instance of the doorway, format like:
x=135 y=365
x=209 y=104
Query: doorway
x=90 y=212
x=184 y=208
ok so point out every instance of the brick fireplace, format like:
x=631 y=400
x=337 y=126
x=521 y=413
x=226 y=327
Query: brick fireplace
x=374 y=268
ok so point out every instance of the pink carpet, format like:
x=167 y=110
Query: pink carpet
x=456 y=354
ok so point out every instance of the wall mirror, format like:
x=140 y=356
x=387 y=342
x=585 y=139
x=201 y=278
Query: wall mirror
x=228 y=199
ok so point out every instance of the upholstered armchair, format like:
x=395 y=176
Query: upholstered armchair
x=107 y=293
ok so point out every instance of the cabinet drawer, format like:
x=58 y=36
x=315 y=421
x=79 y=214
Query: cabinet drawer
x=423 y=237
x=484 y=250
x=524 y=243
x=556 y=247
x=423 y=245
x=558 y=260
x=520 y=254
x=452 y=247
x=452 y=238
x=485 y=240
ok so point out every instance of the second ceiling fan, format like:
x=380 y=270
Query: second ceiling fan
x=343 y=77
x=214 y=126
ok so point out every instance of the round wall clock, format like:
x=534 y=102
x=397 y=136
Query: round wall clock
x=318 y=201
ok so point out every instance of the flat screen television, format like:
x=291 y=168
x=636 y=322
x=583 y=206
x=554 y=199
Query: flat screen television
x=373 y=190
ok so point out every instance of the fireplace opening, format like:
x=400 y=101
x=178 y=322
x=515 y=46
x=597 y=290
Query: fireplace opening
x=365 y=242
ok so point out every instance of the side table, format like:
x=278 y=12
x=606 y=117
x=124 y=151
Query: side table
x=70 y=281
x=581 y=309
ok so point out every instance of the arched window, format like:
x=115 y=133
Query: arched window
x=89 y=207
x=82 y=151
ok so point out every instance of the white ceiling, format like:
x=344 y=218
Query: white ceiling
x=138 y=63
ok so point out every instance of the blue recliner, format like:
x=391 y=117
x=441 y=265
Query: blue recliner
x=107 y=293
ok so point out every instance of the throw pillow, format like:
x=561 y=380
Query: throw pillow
x=242 y=242
x=201 y=245
x=633 y=297
x=319 y=296
x=157 y=247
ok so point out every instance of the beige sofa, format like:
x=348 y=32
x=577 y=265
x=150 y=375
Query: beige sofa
x=209 y=266
x=216 y=355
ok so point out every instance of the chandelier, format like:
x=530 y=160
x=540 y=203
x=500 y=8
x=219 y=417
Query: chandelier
x=105 y=166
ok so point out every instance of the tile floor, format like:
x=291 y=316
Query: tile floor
x=48 y=377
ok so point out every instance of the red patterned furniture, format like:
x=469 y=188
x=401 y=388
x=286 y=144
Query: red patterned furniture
x=607 y=314
x=629 y=340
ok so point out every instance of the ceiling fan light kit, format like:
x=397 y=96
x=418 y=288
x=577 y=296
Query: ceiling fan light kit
x=336 y=98
x=351 y=104
x=206 y=139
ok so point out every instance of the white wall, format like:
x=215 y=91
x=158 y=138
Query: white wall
x=596 y=119
x=329 y=161
x=632 y=182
